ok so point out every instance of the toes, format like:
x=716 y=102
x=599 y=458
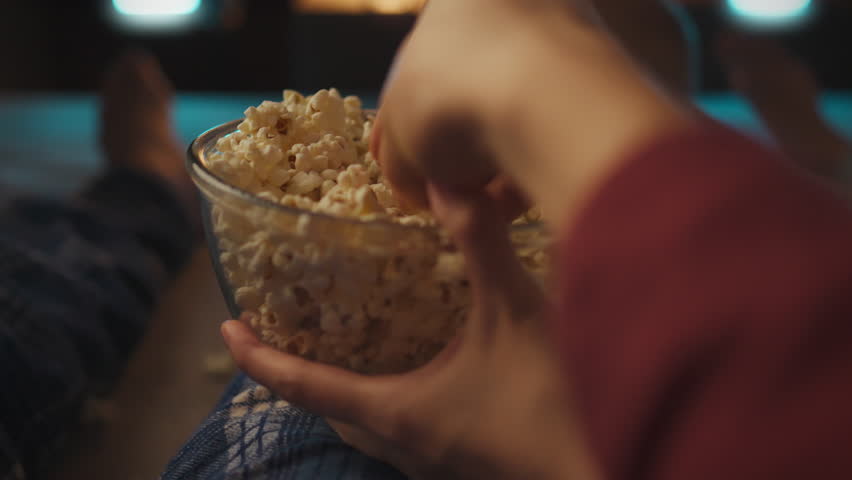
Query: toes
x=137 y=74
x=149 y=70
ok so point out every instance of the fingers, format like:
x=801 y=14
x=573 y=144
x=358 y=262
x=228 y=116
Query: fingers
x=376 y=136
x=324 y=390
x=441 y=145
x=411 y=185
x=510 y=201
x=480 y=232
x=444 y=151
x=408 y=183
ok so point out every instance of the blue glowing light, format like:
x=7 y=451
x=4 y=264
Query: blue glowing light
x=770 y=13
x=156 y=16
x=156 y=7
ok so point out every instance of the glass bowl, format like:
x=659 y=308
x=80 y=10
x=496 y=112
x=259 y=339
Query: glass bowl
x=374 y=297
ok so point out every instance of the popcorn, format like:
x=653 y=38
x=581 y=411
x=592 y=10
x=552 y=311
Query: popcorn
x=295 y=201
x=366 y=201
x=280 y=177
x=249 y=297
x=303 y=183
x=354 y=176
x=384 y=195
x=269 y=196
x=326 y=187
x=354 y=298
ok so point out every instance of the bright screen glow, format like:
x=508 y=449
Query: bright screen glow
x=770 y=13
x=155 y=16
x=156 y=7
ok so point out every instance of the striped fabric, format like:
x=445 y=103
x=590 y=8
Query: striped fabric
x=252 y=435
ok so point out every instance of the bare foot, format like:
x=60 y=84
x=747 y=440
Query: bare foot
x=785 y=93
x=136 y=124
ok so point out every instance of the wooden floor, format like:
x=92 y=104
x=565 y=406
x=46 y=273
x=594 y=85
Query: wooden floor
x=166 y=392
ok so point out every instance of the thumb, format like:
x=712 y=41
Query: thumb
x=322 y=389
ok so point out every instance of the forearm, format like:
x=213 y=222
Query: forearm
x=555 y=155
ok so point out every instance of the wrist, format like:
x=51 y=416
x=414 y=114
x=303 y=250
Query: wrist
x=570 y=116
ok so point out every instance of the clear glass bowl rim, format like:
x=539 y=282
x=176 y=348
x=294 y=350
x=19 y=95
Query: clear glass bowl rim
x=203 y=177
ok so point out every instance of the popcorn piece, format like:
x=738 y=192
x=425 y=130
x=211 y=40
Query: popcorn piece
x=355 y=176
x=327 y=186
x=384 y=195
x=269 y=196
x=327 y=112
x=533 y=214
x=415 y=221
x=317 y=286
x=280 y=177
x=296 y=201
x=248 y=298
x=366 y=201
x=352 y=105
x=293 y=97
x=304 y=183
x=373 y=168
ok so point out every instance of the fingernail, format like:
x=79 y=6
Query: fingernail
x=235 y=332
x=227 y=331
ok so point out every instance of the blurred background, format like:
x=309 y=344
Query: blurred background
x=225 y=54
x=222 y=56
x=263 y=45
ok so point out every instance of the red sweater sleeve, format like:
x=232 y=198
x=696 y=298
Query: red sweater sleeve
x=705 y=316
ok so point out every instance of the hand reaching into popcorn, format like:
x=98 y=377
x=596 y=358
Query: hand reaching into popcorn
x=554 y=124
x=450 y=418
